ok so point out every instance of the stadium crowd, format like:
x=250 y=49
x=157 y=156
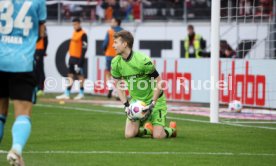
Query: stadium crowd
x=136 y=10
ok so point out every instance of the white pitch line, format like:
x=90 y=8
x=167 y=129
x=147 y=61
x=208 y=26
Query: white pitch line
x=250 y=122
x=147 y=153
x=111 y=112
x=76 y=108
x=249 y=126
x=190 y=120
x=173 y=118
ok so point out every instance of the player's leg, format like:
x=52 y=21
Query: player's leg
x=108 y=76
x=21 y=129
x=158 y=119
x=43 y=77
x=4 y=101
x=40 y=75
x=36 y=68
x=160 y=132
x=81 y=79
x=4 y=106
x=146 y=129
x=131 y=128
x=70 y=75
x=72 y=71
x=158 y=122
x=22 y=92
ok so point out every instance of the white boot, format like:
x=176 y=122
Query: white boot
x=15 y=159
x=63 y=96
x=79 y=97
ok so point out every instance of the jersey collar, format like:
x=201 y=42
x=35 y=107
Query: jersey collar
x=129 y=56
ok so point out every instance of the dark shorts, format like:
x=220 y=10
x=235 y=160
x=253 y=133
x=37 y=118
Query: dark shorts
x=18 y=86
x=74 y=67
x=108 y=63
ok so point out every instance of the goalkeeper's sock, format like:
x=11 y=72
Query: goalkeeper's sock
x=2 y=124
x=148 y=128
x=143 y=131
x=169 y=131
x=21 y=131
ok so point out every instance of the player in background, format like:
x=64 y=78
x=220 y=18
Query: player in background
x=135 y=67
x=77 y=49
x=40 y=53
x=194 y=44
x=20 y=23
x=109 y=52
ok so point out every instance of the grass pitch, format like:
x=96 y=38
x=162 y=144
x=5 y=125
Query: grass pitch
x=85 y=135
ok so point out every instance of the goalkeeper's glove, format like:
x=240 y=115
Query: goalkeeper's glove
x=127 y=111
x=148 y=109
x=126 y=104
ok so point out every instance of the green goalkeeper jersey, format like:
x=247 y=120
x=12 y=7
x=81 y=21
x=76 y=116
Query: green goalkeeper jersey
x=136 y=72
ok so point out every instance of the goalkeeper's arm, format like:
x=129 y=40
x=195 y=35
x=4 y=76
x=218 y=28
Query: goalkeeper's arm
x=157 y=89
x=156 y=92
x=121 y=92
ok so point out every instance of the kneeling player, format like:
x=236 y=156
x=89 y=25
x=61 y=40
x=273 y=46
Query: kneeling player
x=138 y=71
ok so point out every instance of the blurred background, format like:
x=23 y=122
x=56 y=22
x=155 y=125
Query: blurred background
x=155 y=10
x=160 y=28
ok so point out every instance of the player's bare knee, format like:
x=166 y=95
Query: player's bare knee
x=130 y=134
x=159 y=134
x=127 y=136
x=22 y=108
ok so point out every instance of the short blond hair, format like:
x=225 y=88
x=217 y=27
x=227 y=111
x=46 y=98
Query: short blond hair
x=126 y=36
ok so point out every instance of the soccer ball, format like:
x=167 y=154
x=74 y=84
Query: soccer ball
x=235 y=106
x=136 y=110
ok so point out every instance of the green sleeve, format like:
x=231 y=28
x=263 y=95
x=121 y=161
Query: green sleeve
x=114 y=69
x=149 y=67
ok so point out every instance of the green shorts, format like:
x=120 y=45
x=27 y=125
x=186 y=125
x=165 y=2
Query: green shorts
x=159 y=113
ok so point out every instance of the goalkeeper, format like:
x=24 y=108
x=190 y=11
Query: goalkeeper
x=139 y=73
